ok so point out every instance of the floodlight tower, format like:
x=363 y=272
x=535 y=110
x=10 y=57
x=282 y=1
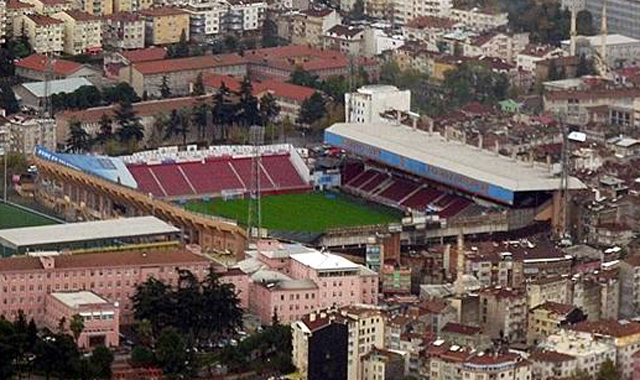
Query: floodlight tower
x=254 y=220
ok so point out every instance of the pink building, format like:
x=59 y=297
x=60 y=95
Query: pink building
x=290 y=281
x=25 y=281
x=101 y=318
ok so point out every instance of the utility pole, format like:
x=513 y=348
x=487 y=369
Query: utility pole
x=254 y=220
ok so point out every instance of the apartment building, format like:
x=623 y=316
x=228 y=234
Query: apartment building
x=113 y=276
x=630 y=287
x=623 y=336
x=550 y=289
x=427 y=30
x=205 y=19
x=380 y=364
x=50 y=7
x=479 y=20
x=311 y=25
x=98 y=7
x=503 y=313
x=505 y=46
x=368 y=103
x=45 y=34
x=346 y=39
x=532 y=54
x=243 y=16
x=406 y=10
x=82 y=32
x=14 y=9
x=364 y=330
x=165 y=25
x=320 y=346
x=26 y=132
x=131 y=5
x=552 y=364
x=589 y=351
x=3 y=21
x=465 y=336
x=447 y=361
x=547 y=319
x=123 y=30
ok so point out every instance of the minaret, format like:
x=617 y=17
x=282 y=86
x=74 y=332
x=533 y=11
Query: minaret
x=459 y=284
x=603 y=36
x=574 y=31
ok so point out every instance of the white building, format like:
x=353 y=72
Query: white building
x=589 y=352
x=366 y=104
x=377 y=40
x=622 y=51
x=532 y=54
x=25 y=132
x=479 y=20
x=252 y=12
x=204 y=18
x=405 y=10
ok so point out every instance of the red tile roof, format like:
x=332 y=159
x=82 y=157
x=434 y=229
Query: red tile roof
x=613 y=93
x=284 y=90
x=44 y=20
x=555 y=307
x=142 y=109
x=550 y=356
x=145 y=55
x=457 y=328
x=100 y=260
x=216 y=80
x=617 y=329
x=317 y=12
x=164 y=11
x=16 y=4
x=37 y=62
x=190 y=63
x=81 y=15
x=125 y=17
x=493 y=359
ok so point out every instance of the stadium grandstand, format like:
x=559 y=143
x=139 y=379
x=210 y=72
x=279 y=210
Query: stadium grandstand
x=219 y=171
x=443 y=183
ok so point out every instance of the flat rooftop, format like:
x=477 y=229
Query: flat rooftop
x=77 y=299
x=85 y=231
x=323 y=261
x=454 y=157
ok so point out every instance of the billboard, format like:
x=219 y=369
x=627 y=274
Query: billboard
x=422 y=169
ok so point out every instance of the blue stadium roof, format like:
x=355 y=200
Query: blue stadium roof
x=109 y=168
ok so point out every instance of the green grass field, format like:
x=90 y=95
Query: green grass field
x=314 y=212
x=13 y=217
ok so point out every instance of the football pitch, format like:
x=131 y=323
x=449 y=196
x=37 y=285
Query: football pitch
x=13 y=217
x=314 y=212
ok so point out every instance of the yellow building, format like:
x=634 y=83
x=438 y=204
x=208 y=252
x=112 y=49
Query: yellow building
x=14 y=10
x=547 y=318
x=82 y=32
x=45 y=34
x=130 y=5
x=165 y=25
x=443 y=64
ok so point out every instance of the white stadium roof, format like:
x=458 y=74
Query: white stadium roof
x=324 y=261
x=454 y=156
x=85 y=231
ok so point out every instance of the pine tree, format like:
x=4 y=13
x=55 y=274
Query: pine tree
x=8 y=100
x=269 y=108
x=105 y=131
x=198 y=86
x=130 y=128
x=248 y=113
x=200 y=119
x=312 y=109
x=222 y=111
x=165 y=91
x=79 y=140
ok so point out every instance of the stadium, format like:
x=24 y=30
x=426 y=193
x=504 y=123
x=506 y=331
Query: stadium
x=392 y=179
x=445 y=186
